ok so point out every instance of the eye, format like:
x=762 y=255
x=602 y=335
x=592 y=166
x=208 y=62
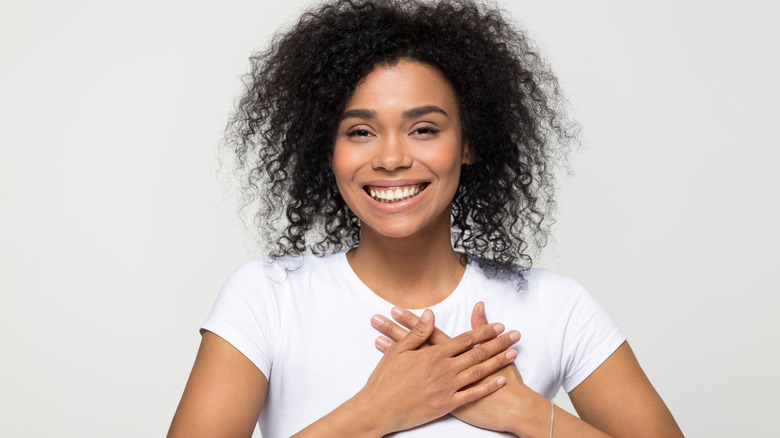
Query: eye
x=358 y=132
x=425 y=131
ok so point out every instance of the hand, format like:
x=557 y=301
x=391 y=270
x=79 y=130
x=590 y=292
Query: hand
x=496 y=411
x=416 y=385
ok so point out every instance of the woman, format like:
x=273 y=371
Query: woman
x=413 y=145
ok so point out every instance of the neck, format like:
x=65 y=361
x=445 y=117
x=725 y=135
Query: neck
x=413 y=272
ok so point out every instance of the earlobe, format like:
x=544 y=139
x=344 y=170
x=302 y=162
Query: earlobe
x=468 y=156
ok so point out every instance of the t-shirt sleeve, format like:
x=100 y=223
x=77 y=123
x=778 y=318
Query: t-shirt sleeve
x=246 y=314
x=583 y=335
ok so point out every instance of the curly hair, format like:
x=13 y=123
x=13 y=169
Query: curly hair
x=284 y=125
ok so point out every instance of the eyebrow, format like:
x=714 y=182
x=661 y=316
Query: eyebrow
x=408 y=114
x=423 y=110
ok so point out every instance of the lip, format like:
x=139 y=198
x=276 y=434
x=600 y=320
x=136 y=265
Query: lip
x=389 y=184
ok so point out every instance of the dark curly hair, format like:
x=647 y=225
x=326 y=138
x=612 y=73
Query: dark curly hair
x=284 y=126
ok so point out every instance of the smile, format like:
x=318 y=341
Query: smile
x=391 y=195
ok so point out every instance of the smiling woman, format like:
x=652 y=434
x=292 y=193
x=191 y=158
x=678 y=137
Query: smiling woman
x=400 y=135
x=414 y=144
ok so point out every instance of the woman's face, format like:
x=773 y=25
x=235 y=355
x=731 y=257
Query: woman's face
x=398 y=150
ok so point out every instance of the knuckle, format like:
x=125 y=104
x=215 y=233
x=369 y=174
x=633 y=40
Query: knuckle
x=417 y=330
x=466 y=340
x=489 y=331
x=479 y=354
x=507 y=341
x=475 y=373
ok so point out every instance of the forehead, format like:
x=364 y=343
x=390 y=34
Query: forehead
x=405 y=84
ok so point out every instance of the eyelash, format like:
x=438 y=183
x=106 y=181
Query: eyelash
x=359 y=132
x=423 y=130
x=427 y=130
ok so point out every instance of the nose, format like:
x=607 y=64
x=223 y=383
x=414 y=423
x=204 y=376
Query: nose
x=391 y=154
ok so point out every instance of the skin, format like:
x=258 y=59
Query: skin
x=377 y=143
x=401 y=126
x=617 y=399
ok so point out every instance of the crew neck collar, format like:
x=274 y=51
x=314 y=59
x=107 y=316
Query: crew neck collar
x=364 y=291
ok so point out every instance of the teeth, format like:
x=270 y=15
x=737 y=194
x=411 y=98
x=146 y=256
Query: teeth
x=395 y=194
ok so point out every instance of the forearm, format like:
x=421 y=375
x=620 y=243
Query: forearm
x=353 y=418
x=532 y=418
x=569 y=425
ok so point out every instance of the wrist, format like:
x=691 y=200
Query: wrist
x=361 y=417
x=533 y=419
x=352 y=418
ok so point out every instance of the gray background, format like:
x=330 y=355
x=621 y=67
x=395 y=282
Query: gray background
x=117 y=231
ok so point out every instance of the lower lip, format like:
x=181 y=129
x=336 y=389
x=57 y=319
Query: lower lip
x=395 y=207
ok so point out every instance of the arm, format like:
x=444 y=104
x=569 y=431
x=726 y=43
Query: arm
x=617 y=398
x=223 y=396
x=409 y=387
x=412 y=386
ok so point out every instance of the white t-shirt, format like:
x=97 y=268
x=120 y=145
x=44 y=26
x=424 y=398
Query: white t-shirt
x=308 y=330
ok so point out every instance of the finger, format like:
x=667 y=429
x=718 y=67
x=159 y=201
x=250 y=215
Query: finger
x=487 y=350
x=478 y=318
x=388 y=328
x=481 y=389
x=465 y=341
x=409 y=320
x=486 y=368
x=382 y=344
x=419 y=333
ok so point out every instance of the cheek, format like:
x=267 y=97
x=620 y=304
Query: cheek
x=340 y=164
x=445 y=163
x=344 y=166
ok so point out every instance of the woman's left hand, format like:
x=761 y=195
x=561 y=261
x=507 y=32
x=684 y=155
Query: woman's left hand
x=500 y=411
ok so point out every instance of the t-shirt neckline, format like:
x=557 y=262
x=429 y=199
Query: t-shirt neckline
x=366 y=293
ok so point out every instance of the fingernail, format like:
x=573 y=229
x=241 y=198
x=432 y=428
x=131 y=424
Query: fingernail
x=499 y=328
x=381 y=343
x=501 y=380
x=511 y=354
x=397 y=311
x=426 y=316
x=376 y=321
x=481 y=309
x=514 y=336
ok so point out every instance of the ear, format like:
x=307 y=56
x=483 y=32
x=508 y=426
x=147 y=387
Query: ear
x=468 y=155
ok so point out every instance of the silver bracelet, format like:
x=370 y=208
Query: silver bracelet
x=552 y=416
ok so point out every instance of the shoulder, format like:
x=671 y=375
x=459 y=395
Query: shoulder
x=538 y=282
x=277 y=270
x=554 y=297
x=555 y=286
x=561 y=296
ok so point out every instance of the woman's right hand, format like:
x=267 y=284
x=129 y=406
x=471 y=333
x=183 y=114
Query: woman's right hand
x=412 y=386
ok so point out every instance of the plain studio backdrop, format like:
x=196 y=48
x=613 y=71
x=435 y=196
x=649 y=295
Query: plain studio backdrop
x=117 y=230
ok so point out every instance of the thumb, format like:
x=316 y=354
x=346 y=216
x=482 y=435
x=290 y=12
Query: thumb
x=478 y=318
x=419 y=333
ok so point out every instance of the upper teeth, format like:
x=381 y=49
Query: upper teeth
x=394 y=194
